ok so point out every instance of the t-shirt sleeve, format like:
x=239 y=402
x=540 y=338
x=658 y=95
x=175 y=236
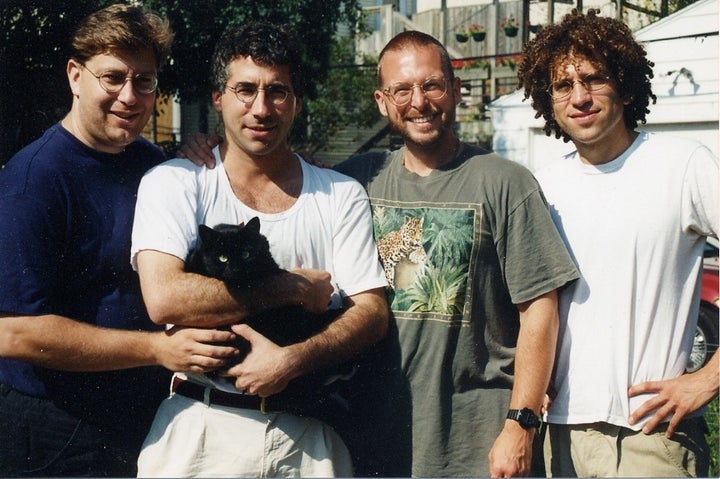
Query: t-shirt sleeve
x=701 y=199
x=166 y=210
x=357 y=265
x=534 y=258
x=31 y=248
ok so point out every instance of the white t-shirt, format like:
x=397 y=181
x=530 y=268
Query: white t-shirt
x=636 y=228
x=328 y=228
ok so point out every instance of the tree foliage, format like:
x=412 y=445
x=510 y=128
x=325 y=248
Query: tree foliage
x=34 y=91
x=344 y=99
x=33 y=51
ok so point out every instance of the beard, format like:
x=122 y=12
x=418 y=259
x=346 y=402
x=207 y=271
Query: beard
x=432 y=135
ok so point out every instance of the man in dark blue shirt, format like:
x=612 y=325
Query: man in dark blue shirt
x=82 y=368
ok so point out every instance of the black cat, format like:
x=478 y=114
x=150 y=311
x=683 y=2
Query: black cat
x=240 y=256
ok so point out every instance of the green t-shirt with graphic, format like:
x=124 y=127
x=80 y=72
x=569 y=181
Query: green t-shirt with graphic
x=461 y=247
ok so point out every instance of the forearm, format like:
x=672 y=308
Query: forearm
x=709 y=375
x=188 y=299
x=535 y=352
x=61 y=343
x=511 y=453
x=362 y=324
x=174 y=296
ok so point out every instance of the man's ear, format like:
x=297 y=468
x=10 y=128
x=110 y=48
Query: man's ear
x=380 y=100
x=457 y=90
x=216 y=97
x=73 y=73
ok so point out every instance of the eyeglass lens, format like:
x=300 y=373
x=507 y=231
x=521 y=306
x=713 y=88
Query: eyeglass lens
x=113 y=82
x=593 y=82
x=247 y=92
x=433 y=88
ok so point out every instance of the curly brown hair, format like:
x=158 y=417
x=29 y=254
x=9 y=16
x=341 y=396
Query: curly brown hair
x=606 y=43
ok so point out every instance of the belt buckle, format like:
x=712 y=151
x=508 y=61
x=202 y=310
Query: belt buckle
x=263 y=408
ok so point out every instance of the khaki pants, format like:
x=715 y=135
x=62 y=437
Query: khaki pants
x=190 y=438
x=605 y=450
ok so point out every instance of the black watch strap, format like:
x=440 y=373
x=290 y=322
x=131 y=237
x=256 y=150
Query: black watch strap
x=526 y=417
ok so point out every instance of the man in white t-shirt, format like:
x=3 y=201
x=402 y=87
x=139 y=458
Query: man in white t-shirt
x=634 y=210
x=319 y=227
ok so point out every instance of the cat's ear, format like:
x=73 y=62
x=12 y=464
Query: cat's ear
x=207 y=234
x=253 y=225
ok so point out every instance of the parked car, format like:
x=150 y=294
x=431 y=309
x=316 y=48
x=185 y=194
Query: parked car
x=706 y=334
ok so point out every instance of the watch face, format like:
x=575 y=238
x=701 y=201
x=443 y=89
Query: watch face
x=528 y=418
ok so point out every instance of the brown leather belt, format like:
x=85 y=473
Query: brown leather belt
x=222 y=398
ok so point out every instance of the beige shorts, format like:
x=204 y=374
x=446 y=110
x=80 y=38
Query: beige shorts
x=189 y=438
x=605 y=450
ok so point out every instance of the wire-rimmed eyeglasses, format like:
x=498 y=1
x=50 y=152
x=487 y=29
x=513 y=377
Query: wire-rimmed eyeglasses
x=400 y=94
x=561 y=89
x=113 y=82
x=247 y=92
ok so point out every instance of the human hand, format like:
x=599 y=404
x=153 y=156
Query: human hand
x=545 y=408
x=198 y=149
x=182 y=349
x=511 y=454
x=313 y=288
x=267 y=369
x=678 y=397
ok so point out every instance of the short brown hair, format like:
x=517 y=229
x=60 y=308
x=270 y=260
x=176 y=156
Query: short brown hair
x=418 y=39
x=606 y=43
x=122 y=27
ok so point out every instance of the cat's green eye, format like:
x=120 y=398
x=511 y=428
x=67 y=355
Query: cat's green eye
x=222 y=258
x=245 y=254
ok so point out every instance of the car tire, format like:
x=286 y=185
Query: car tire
x=706 y=338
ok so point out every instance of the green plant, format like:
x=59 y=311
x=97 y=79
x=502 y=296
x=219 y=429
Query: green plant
x=509 y=23
x=474 y=64
x=711 y=417
x=475 y=28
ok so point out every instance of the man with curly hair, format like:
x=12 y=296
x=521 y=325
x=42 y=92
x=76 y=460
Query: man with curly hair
x=634 y=210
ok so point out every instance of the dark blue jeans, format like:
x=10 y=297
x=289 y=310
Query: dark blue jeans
x=37 y=438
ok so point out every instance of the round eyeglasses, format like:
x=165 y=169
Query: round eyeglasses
x=247 y=92
x=560 y=90
x=113 y=82
x=400 y=94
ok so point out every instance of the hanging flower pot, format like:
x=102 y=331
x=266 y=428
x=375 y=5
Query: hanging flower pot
x=510 y=25
x=462 y=37
x=477 y=31
x=534 y=28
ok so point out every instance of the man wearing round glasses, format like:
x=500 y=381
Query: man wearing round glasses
x=635 y=209
x=113 y=97
x=319 y=227
x=77 y=390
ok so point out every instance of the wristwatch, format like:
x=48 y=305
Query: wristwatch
x=526 y=417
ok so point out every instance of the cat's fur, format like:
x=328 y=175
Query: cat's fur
x=240 y=256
